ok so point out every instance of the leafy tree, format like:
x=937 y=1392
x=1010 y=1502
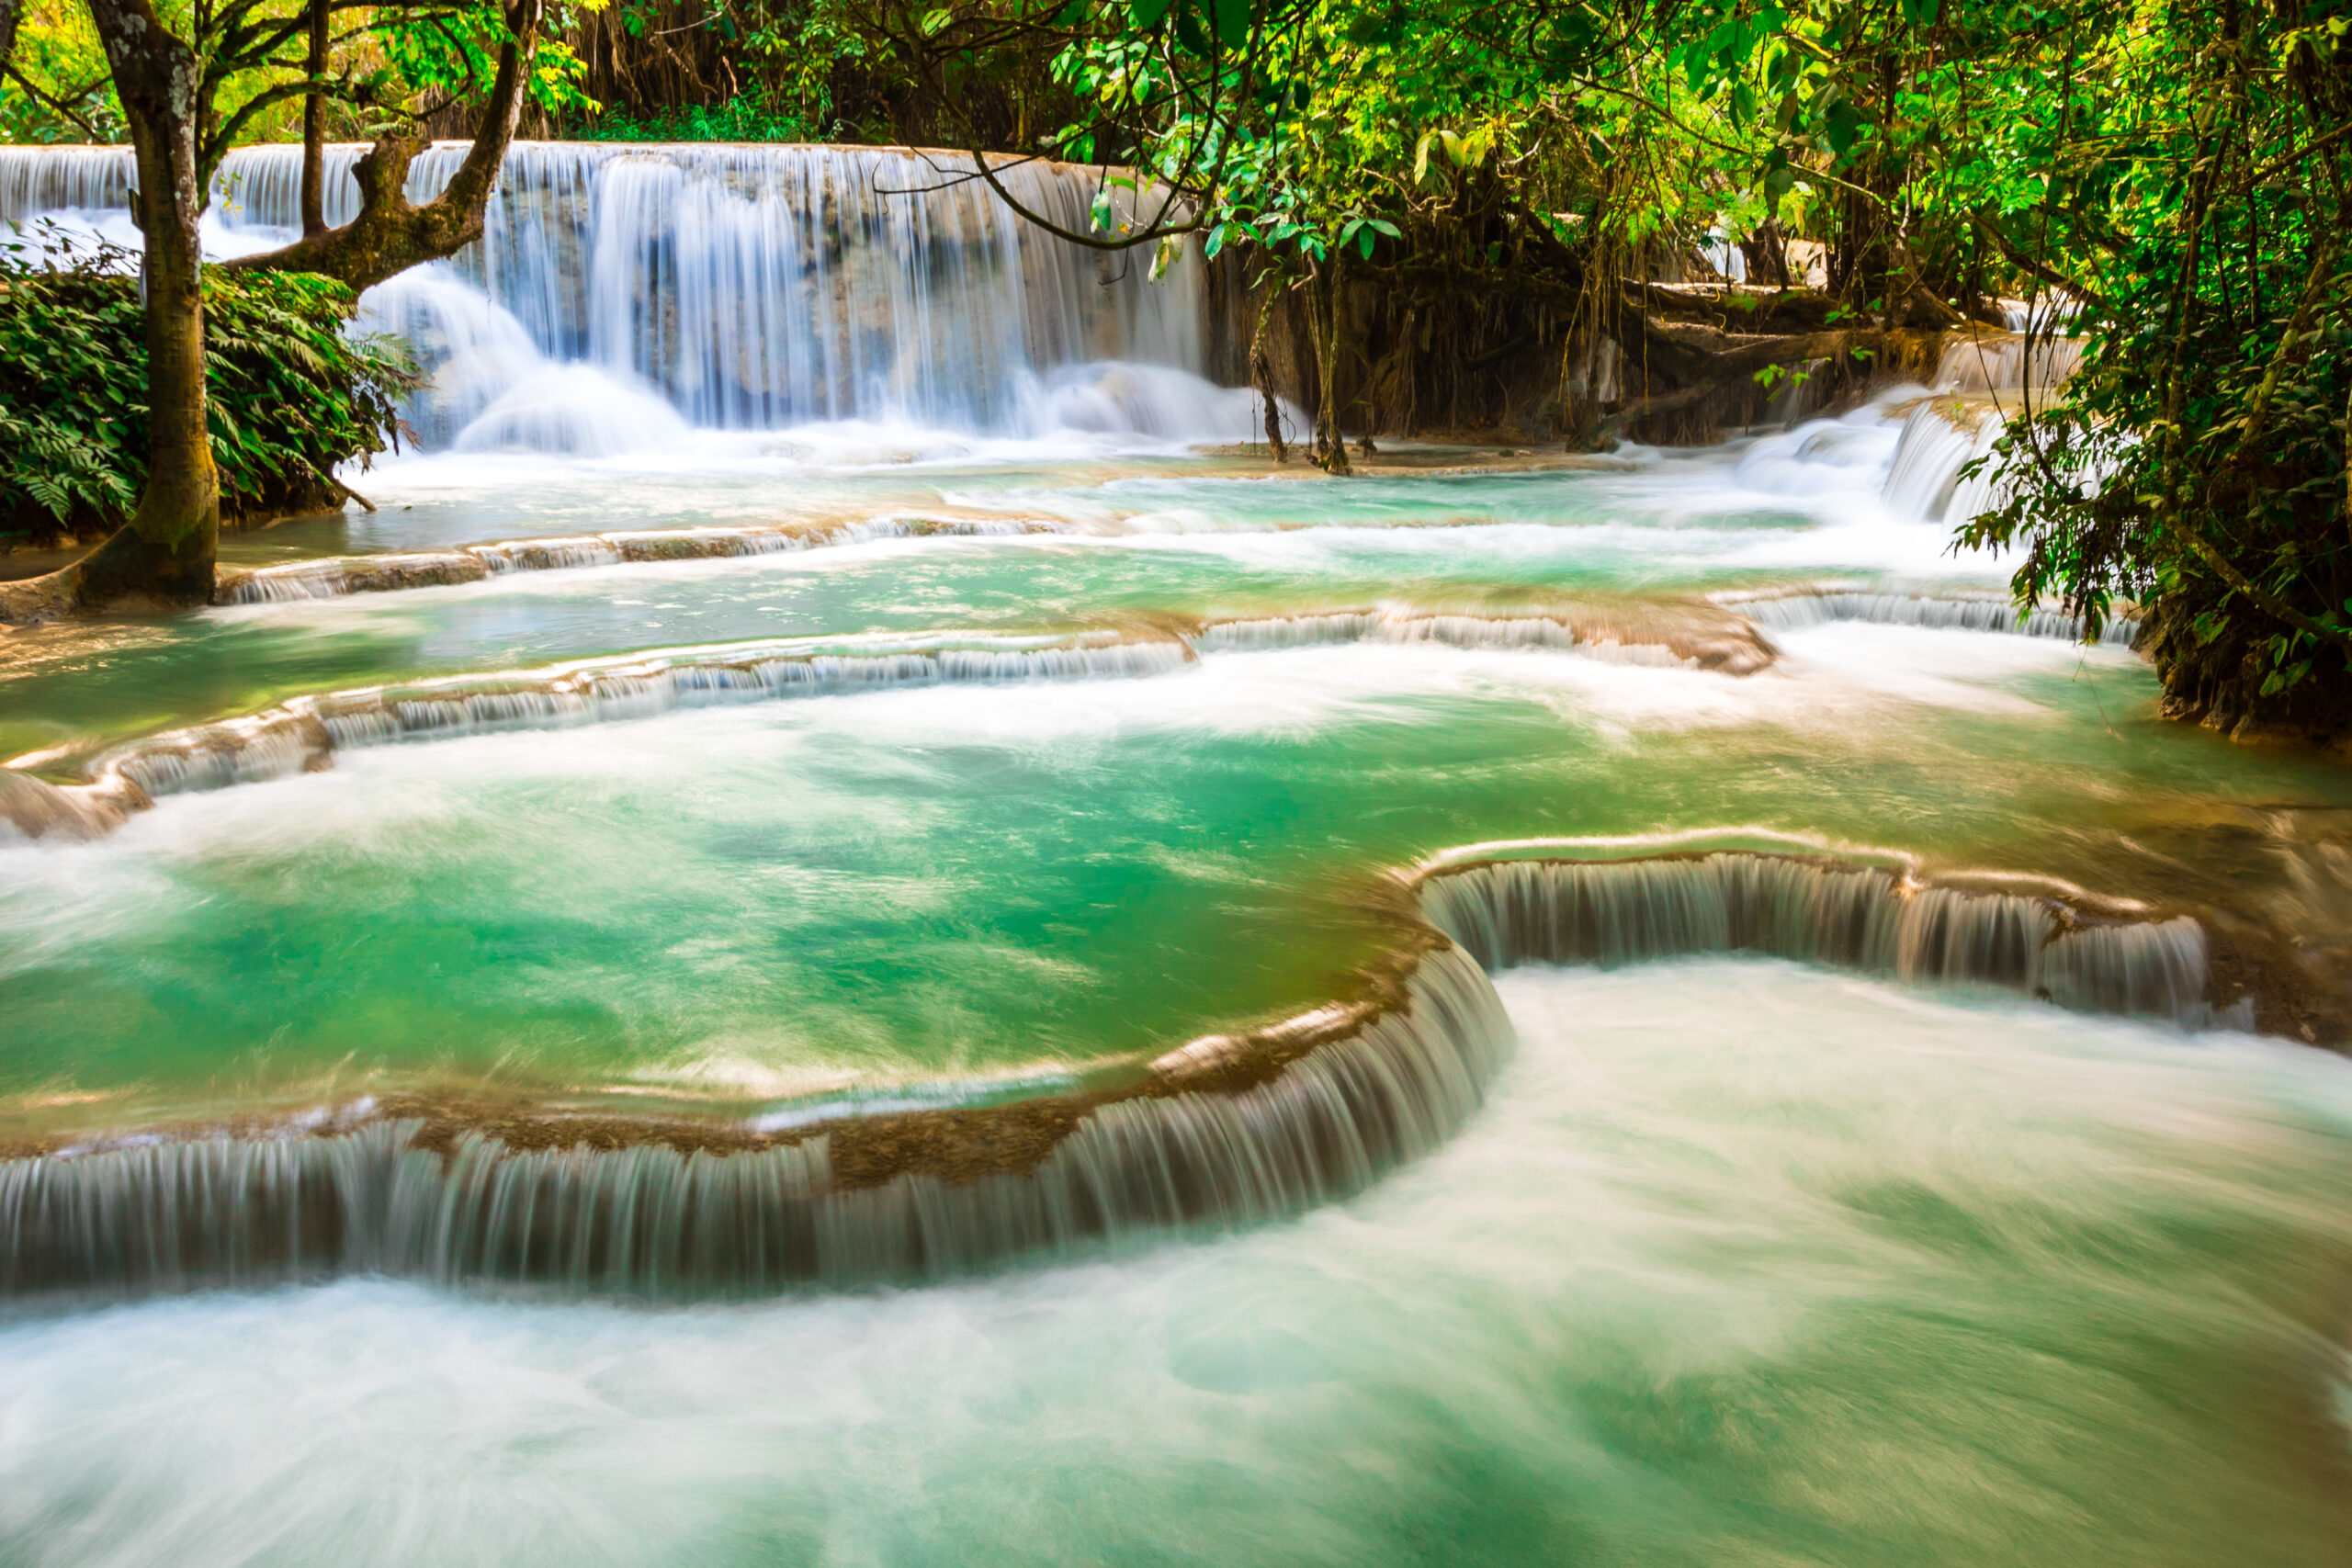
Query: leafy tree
x=174 y=85
x=2186 y=189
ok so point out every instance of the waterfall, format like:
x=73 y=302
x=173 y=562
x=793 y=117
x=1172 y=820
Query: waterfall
x=337 y=575
x=1655 y=638
x=1976 y=379
x=304 y=733
x=1985 y=364
x=1228 y=1132
x=622 y=294
x=1859 y=917
x=1944 y=612
x=1939 y=437
x=1225 y=1132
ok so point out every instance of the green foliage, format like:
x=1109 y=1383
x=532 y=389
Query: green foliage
x=2176 y=175
x=394 y=61
x=2188 y=186
x=2178 y=179
x=731 y=71
x=290 y=395
x=454 y=51
x=58 y=90
x=737 y=120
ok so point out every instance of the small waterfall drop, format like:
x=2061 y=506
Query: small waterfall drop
x=334 y=576
x=1225 y=1132
x=1979 y=378
x=1858 y=917
x=1985 y=365
x=1658 y=639
x=622 y=294
x=305 y=732
x=1228 y=1131
x=1943 y=611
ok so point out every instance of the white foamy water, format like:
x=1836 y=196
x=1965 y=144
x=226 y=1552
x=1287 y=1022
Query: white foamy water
x=1743 y=1263
x=736 y=287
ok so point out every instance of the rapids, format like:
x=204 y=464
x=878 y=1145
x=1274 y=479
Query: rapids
x=823 y=895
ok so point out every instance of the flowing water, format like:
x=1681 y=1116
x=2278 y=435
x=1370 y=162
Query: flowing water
x=904 y=963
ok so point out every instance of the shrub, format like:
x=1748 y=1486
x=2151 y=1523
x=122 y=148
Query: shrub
x=291 y=395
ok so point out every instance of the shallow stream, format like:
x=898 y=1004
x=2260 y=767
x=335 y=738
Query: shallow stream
x=871 y=994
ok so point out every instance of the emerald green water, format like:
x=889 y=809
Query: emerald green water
x=1744 y=1263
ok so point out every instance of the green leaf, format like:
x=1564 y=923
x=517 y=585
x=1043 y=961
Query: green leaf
x=1232 y=22
x=1189 y=33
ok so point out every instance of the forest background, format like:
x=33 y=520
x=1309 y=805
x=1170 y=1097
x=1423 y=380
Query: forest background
x=1449 y=215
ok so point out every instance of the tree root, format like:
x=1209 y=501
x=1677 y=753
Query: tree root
x=126 y=571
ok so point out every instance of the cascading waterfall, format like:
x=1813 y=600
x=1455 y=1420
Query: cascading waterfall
x=1655 y=639
x=1978 y=380
x=1793 y=610
x=1939 y=438
x=621 y=294
x=303 y=733
x=1342 y=1096
x=335 y=576
x=1867 y=917
x=1225 y=1132
x=1984 y=366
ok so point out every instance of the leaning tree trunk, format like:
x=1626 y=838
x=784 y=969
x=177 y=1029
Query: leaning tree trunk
x=389 y=235
x=1261 y=369
x=164 y=554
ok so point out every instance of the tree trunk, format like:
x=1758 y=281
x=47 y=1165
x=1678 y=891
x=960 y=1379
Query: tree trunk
x=164 y=554
x=1261 y=369
x=1331 y=448
x=1261 y=373
x=1768 y=255
x=314 y=130
x=389 y=235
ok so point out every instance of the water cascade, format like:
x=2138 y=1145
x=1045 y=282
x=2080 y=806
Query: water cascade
x=1653 y=636
x=1986 y=366
x=1978 y=378
x=1790 y=610
x=623 y=294
x=1223 y=1133
x=335 y=576
x=1874 y=919
x=303 y=733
